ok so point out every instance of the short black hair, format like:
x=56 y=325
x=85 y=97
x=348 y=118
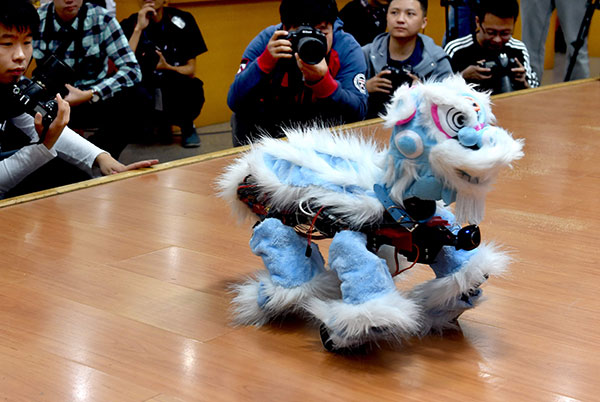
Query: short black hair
x=424 y=6
x=20 y=15
x=499 y=8
x=294 y=13
x=423 y=3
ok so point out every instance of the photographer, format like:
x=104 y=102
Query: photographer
x=402 y=55
x=29 y=146
x=87 y=39
x=491 y=57
x=166 y=42
x=290 y=75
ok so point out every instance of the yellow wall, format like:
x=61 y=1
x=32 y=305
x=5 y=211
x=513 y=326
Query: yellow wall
x=229 y=25
x=227 y=28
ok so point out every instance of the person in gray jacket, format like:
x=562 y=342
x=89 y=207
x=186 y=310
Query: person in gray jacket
x=402 y=55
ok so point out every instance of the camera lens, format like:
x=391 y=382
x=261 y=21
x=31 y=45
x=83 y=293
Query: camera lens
x=468 y=238
x=311 y=50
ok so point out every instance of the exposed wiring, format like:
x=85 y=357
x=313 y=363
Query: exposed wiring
x=398 y=270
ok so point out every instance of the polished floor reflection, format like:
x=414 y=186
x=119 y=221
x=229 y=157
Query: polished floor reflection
x=118 y=292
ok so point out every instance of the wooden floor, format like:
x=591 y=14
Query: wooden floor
x=118 y=292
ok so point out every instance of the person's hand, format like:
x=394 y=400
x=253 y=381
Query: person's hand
x=519 y=73
x=144 y=15
x=162 y=62
x=58 y=124
x=278 y=47
x=476 y=73
x=109 y=165
x=312 y=73
x=77 y=96
x=415 y=79
x=379 y=83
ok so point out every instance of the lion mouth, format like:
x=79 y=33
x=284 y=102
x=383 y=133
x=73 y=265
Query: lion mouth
x=467 y=177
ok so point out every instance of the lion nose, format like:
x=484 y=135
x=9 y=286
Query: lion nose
x=469 y=137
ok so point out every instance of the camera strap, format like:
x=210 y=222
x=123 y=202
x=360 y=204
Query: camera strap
x=50 y=34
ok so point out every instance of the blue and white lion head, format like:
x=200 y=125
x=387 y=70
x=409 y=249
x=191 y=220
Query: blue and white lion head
x=444 y=146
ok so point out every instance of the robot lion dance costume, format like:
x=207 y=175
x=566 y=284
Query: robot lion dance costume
x=373 y=203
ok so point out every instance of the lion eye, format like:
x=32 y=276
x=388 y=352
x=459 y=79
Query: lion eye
x=454 y=120
x=450 y=120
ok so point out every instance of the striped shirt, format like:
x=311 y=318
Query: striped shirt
x=102 y=40
x=466 y=51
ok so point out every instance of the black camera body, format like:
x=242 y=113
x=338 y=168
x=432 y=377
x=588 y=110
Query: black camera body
x=53 y=74
x=34 y=97
x=309 y=43
x=500 y=71
x=399 y=76
x=37 y=94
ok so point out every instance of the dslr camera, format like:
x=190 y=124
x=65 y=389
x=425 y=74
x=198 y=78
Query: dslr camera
x=500 y=71
x=309 y=43
x=37 y=94
x=34 y=97
x=399 y=76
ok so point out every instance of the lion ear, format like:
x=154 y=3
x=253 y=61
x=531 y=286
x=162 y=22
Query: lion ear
x=402 y=108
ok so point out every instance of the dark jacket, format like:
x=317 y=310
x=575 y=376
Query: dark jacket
x=466 y=51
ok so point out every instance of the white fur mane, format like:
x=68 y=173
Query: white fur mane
x=304 y=148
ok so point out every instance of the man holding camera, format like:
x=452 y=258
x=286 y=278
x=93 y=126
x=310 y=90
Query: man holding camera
x=29 y=146
x=304 y=70
x=166 y=42
x=86 y=38
x=491 y=57
x=402 y=55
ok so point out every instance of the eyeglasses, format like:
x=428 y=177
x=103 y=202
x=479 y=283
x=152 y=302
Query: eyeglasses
x=506 y=34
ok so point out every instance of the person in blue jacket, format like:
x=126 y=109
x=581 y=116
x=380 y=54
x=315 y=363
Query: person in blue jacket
x=276 y=88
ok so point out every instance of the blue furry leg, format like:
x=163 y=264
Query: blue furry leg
x=458 y=289
x=456 y=286
x=459 y=274
x=290 y=279
x=364 y=276
x=371 y=307
x=283 y=253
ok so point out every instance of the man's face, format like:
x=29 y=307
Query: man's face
x=494 y=31
x=405 y=18
x=15 y=53
x=67 y=9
